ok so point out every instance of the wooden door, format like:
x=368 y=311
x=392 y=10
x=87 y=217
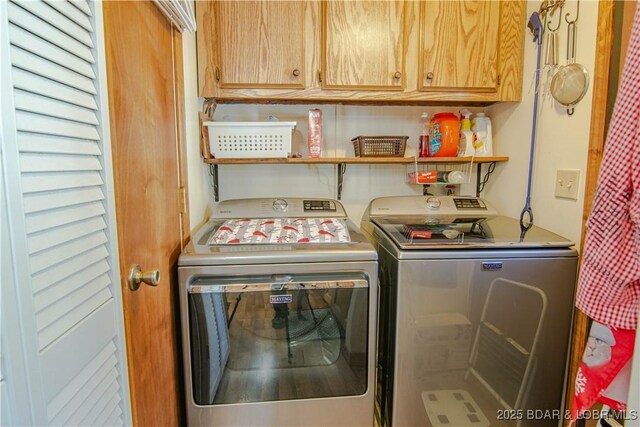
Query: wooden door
x=261 y=43
x=459 y=45
x=142 y=106
x=363 y=45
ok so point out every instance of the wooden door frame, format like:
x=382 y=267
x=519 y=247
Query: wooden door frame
x=597 y=135
x=181 y=134
x=183 y=194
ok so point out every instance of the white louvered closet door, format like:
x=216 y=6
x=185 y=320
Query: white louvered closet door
x=60 y=208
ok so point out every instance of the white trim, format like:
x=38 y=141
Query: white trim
x=179 y=12
x=112 y=229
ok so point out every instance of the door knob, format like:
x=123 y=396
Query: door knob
x=137 y=276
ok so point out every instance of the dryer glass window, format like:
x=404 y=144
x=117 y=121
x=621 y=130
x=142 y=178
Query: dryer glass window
x=258 y=339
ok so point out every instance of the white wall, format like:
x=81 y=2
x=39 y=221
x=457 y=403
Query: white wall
x=196 y=172
x=341 y=123
x=562 y=143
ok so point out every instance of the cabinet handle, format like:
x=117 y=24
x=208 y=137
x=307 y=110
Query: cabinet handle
x=397 y=75
x=429 y=76
x=319 y=76
x=217 y=76
x=296 y=72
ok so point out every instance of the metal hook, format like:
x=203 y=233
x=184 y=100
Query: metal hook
x=546 y=6
x=559 y=21
x=566 y=16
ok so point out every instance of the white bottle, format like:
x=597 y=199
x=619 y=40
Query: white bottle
x=483 y=141
x=466 y=148
x=456 y=177
x=452 y=177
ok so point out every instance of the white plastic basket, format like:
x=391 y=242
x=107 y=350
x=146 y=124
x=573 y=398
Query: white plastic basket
x=229 y=140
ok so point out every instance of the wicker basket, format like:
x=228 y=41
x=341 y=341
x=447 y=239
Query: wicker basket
x=379 y=146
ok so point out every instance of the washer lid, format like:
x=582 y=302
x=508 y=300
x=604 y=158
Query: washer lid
x=464 y=232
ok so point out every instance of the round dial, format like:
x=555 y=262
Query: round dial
x=280 y=205
x=432 y=221
x=433 y=203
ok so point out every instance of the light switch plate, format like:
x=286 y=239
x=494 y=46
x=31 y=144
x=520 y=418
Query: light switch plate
x=567 y=183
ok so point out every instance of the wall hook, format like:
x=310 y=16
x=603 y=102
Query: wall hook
x=566 y=16
x=559 y=20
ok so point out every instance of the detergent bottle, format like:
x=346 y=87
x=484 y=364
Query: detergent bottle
x=466 y=148
x=444 y=135
x=483 y=143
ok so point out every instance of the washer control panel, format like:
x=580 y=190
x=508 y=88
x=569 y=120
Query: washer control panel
x=319 y=205
x=431 y=205
x=469 y=203
x=289 y=207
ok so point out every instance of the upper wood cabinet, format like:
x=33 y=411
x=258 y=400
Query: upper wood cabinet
x=363 y=45
x=459 y=45
x=261 y=43
x=393 y=51
x=256 y=44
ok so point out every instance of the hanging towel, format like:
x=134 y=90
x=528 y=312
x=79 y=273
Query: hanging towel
x=603 y=375
x=609 y=280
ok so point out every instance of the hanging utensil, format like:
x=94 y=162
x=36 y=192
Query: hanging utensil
x=526 y=216
x=570 y=83
x=551 y=49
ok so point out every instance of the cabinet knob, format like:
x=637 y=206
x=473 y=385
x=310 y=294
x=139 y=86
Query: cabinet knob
x=397 y=75
x=429 y=76
x=217 y=74
x=296 y=72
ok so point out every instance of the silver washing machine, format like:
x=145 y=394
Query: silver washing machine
x=475 y=315
x=278 y=313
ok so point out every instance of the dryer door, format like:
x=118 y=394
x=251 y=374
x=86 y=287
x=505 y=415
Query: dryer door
x=280 y=337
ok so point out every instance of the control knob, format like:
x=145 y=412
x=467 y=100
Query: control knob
x=433 y=203
x=280 y=205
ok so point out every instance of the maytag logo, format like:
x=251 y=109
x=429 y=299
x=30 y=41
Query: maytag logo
x=280 y=299
x=491 y=266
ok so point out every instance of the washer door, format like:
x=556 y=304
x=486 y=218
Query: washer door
x=281 y=337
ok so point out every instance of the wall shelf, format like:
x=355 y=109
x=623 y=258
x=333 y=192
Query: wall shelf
x=342 y=163
x=356 y=160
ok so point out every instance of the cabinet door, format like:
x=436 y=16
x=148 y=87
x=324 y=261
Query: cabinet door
x=363 y=45
x=459 y=45
x=261 y=44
